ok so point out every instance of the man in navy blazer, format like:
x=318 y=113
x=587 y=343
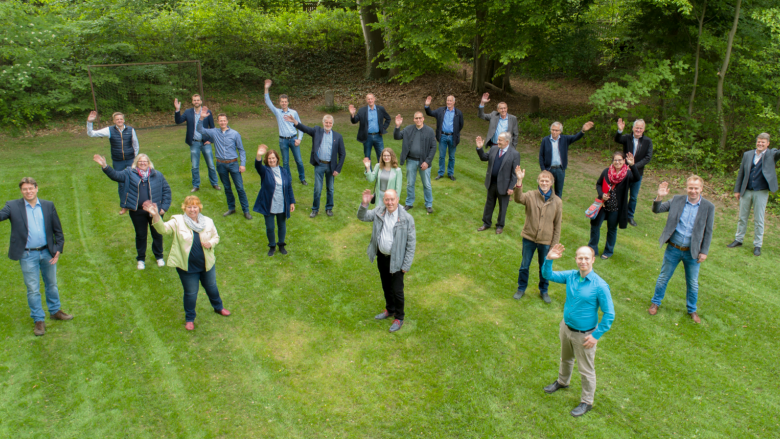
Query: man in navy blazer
x=756 y=178
x=449 y=122
x=688 y=232
x=554 y=153
x=36 y=242
x=642 y=147
x=195 y=141
x=327 y=157
x=374 y=121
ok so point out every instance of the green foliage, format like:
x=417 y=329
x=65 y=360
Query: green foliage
x=656 y=76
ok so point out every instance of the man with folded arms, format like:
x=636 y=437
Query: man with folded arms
x=688 y=233
x=580 y=329
x=231 y=159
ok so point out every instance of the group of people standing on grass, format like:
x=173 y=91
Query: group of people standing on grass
x=37 y=239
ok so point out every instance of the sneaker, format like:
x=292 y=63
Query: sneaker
x=141 y=265
x=396 y=325
x=382 y=315
x=161 y=262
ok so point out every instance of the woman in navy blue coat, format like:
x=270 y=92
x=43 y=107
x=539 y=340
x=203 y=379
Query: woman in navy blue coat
x=140 y=183
x=275 y=199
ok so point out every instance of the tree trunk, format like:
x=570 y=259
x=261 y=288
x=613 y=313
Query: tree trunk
x=480 y=60
x=696 y=64
x=373 y=41
x=507 y=86
x=722 y=77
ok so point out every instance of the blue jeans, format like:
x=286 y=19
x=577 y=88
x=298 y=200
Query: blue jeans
x=195 y=150
x=322 y=171
x=612 y=226
x=634 y=194
x=189 y=281
x=378 y=144
x=560 y=175
x=32 y=263
x=529 y=247
x=281 y=221
x=286 y=145
x=226 y=171
x=120 y=165
x=672 y=258
x=446 y=144
x=411 y=177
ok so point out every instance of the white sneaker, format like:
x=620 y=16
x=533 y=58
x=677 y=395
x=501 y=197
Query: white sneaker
x=161 y=262
x=141 y=265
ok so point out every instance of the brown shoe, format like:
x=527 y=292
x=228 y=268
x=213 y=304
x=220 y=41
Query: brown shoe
x=483 y=228
x=59 y=315
x=499 y=230
x=40 y=328
x=695 y=317
x=653 y=310
x=216 y=186
x=123 y=211
x=195 y=189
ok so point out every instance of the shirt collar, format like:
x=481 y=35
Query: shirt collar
x=503 y=118
x=687 y=201
x=448 y=110
x=554 y=139
x=371 y=109
x=759 y=154
x=327 y=132
x=590 y=275
x=37 y=202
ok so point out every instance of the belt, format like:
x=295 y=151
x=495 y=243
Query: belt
x=685 y=249
x=577 y=330
x=324 y=162
x=372 y=134
x=288 y=138
x=226 y=161
x=555 y=167
x=412 y=158
x=35 y=249
x=446 y=134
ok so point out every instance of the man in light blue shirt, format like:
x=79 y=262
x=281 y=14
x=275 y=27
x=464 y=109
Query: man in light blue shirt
x=289 y=137
x=449 y=122
x=580 y=329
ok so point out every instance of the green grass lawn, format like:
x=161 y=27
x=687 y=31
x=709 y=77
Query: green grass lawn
x=302 y=357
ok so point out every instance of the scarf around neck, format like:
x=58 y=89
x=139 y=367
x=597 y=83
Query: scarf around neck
x=546 y=195
x=615 y=177
x=143 y=174
x=196 y=227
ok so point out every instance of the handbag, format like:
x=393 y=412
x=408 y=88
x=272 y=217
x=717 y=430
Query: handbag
x=594 y=208
x=373 y=198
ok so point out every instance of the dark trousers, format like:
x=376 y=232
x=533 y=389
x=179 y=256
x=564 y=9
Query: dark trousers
x=189 y=281
x=529 y=247
x=392 y=285
x=227 y=171
x=612 y=227
x=281 y=221
x=560 y=175
x=142 y=221
x=490 y=205
x=121 y=165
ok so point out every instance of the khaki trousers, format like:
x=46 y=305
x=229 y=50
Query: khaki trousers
x=571 y=348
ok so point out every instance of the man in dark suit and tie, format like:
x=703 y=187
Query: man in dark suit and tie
x=374 y=121
x=756 y=177
x=36 y=242
x=449 y=122
x=642 y=147
x=195 y=141
x=327 y=157
x=554 y=153
x=500 y=179
x=500 y=121
x=688 y=233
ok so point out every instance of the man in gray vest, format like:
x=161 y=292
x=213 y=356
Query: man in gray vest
x=123 y=141
x=756 y=177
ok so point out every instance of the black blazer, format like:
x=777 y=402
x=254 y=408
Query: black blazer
x=621 y=192
x=16 y=211
x=383 y=120
x=457 y=123
x=702 y=225
x=644 y=151
x=337 y=154
x=545 y=150
x=189 y=117
x=506 y=173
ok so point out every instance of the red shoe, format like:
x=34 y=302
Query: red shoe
x=190 y=326
x=223 y=312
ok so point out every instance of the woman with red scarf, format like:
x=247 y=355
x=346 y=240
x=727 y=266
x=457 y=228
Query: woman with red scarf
x=141 y=183
x=612 y=188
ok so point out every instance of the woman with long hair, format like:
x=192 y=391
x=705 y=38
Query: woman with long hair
x=387 y=175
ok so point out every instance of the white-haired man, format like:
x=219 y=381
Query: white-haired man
x=500 y=179
x=642 y=148
x=554 y=153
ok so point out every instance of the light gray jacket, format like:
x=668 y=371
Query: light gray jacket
x=493 y=117
x=404 y=236
x=702 y=226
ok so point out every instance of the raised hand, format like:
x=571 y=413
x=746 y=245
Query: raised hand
x=352 y=110
x=268 y=83
x=289 y=118
x=261 y=150
x=428 y=101
x=92 y=116
x=588 y=125
x=204 y=112
x=367 y=197
x=663 y=189
x=100 y=160
x=621 y=125
x=555 y=252
x=519 y=172
x=485 y=99
x=480 y=143
x=176 y=104
x=630 y=159
x=367 y=163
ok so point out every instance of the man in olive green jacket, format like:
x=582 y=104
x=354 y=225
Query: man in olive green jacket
x=542 y=227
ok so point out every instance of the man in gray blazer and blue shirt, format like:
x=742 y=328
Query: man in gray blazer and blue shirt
x=500 y=121
x=756 y=177
x=500 y=179
x=688 y=233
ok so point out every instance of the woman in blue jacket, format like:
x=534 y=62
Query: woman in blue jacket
x=141 y=183
x=275 y=199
